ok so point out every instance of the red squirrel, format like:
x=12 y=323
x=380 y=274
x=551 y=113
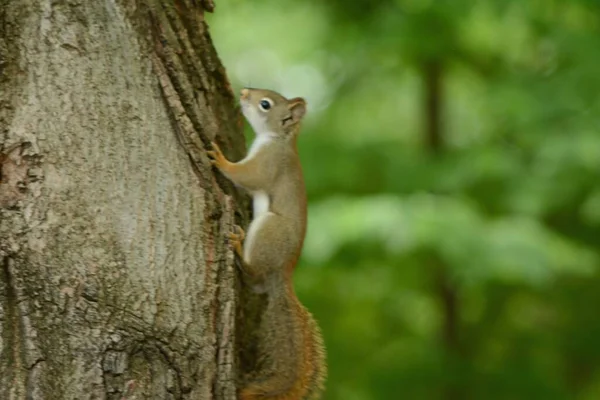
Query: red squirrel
x=291 y=350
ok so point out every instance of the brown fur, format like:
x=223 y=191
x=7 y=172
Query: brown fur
x=287 y=373
x=291 y=352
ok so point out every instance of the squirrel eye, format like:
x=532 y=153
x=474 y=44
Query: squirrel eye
x=265 y=105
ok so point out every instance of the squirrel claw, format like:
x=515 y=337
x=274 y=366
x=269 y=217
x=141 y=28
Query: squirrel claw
x=216 y=149
x=216 y=155
x=212 y=157
x=241 y=235
x=237 y=239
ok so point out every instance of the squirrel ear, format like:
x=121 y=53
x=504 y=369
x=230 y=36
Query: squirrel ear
x=297 y=106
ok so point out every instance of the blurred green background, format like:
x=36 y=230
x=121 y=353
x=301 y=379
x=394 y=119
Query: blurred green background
x=452 y=158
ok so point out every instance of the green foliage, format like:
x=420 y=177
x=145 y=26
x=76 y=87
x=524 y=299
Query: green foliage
x=467 y=273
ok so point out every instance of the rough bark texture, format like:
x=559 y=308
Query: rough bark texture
x=116 y=281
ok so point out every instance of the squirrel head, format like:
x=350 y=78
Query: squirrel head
x=270 y=113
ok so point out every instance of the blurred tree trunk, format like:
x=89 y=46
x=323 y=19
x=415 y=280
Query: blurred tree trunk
x=115 y=278
x=445 y=287
x=433 y=106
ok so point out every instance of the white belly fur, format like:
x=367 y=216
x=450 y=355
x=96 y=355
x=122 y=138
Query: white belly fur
x=260 y=140
x=260 y=199
x=260 y=204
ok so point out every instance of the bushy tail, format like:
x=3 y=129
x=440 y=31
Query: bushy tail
x=317 y=381
x=311 y=371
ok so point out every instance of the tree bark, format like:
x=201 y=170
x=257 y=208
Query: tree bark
x=116 y=280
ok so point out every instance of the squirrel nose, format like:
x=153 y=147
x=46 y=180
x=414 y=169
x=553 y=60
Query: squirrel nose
x=245 y=93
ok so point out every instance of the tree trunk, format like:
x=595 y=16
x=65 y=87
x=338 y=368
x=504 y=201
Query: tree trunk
x=116 y=281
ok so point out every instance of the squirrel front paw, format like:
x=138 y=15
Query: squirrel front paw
x=236 y=239
x=216 y=156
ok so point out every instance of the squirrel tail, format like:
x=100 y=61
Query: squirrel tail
x=312 y=371
x=317 y=380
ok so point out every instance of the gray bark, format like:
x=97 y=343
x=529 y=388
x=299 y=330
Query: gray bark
x=116 y=280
